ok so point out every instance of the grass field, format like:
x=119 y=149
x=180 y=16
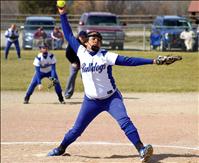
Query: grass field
x=182 y=76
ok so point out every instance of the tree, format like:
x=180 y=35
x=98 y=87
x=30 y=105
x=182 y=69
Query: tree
x=117 y=7
x=9 y=7
x=37 y=7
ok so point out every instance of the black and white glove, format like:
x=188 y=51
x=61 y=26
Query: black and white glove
x=167 y=60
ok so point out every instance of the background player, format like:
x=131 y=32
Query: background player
x=188 y=36
x=74 y=66
x=12 y=36
x=44 y=63
x=101 y=93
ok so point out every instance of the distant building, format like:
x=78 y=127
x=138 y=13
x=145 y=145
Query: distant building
x=194 y=11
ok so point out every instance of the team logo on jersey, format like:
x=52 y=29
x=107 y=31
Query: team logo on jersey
x=45 y=65
x=93 y=67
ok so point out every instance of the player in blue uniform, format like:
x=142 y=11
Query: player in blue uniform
x=101 y=93
x=12 y=36
x=44 y=63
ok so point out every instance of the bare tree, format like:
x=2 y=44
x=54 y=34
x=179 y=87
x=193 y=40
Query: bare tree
x=117 y=7
x=134 y=7
x=9 y=7
x=78 y=7
x=156 y=7
x=182 y=7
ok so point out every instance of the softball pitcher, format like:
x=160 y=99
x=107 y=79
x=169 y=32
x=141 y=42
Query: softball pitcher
x=101 y=93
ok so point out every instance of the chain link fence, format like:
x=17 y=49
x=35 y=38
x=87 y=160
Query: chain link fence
x=136 y=38
x=137 y=31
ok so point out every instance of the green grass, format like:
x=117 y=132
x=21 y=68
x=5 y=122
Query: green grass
x=182 y=76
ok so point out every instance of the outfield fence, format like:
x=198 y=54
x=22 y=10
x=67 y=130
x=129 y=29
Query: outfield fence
x=19 y=19
x=136 y=37
x=137 y=30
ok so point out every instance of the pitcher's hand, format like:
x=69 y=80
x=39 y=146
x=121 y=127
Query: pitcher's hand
x=61 y=10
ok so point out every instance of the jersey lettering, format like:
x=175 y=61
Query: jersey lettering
x=45 y=65
x=93 y=67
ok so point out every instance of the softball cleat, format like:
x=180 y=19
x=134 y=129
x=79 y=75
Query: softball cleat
x=146 y=153
x=56 y=152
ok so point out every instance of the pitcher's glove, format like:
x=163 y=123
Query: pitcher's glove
x=53 y=82
x=167 y=60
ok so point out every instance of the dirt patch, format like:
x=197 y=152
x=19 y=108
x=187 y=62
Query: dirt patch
x=168 y=121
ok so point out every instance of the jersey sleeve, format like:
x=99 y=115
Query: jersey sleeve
x=68 y=33
x=53 y=59
x=7 y=34
x=36 y=62
x=111 y=58
x=52 y=36
x=132 y=61
x=182 y=35
x=17 y=33
x=38 y=74
x=53 y=71
x=70 y=54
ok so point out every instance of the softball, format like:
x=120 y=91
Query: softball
x=61 y=3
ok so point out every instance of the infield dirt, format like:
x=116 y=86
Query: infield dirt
x=168 y=121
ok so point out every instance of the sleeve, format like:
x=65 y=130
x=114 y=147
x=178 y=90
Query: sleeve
x=182 y=35
x=7 y=34
x=132 y=61
x=70 y=54
x=53 y=71
x=38 y=74
x=36 y=62
x=110 y=58
x=67 y=51
x=52 y=36
x=68 y=33
x=17 y=33
x=53 y=59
